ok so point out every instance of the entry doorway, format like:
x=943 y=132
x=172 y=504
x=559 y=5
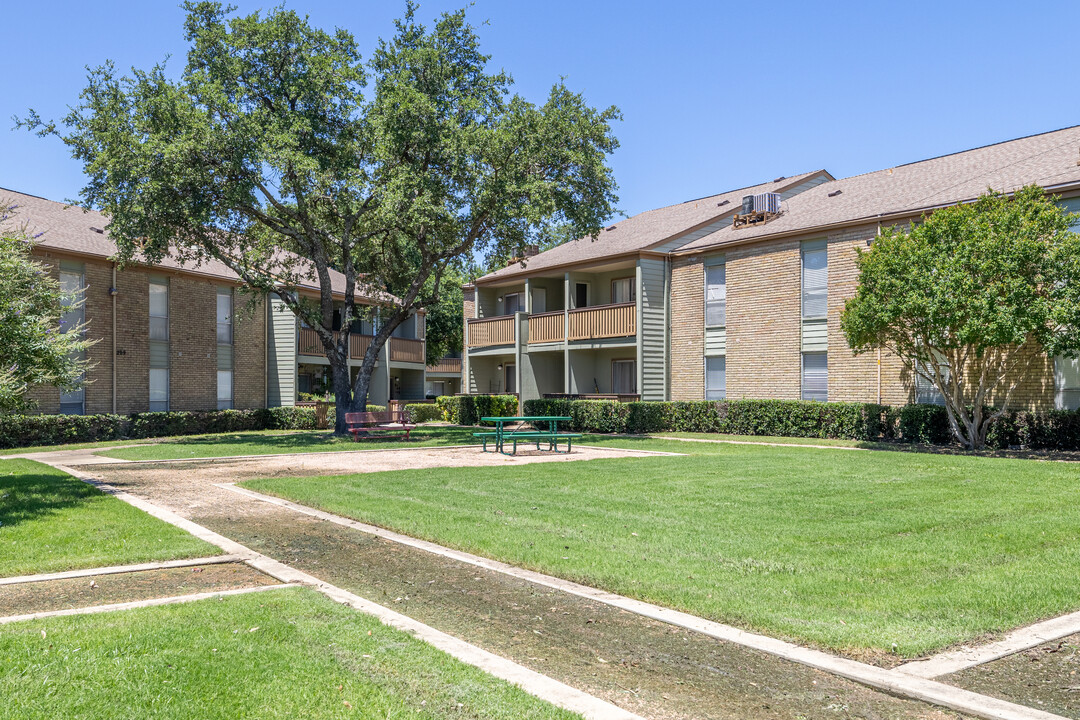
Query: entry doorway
x=539 y=300
x=510 y=378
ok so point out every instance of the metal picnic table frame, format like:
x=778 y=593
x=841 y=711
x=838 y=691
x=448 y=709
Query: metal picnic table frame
x=503 y=434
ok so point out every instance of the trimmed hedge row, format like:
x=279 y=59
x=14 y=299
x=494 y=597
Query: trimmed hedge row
x=926 y=424
x=468 y=409
x=424 y=412
x=29 y=430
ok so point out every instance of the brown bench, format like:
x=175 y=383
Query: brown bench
x=379 y=424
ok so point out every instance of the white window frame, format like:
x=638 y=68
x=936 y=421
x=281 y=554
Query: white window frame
x=805 y=291
x=633 y=376
x=73 y=284
x=1066 y=383
x=805 y=389
x=711 y=392
x=225 y=325
x=718 y=301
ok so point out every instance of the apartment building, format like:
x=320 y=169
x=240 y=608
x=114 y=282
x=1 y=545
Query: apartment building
x=176 y=337
x=739 y=295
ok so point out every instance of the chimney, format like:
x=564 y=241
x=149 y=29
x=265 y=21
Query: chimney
x=531 y=250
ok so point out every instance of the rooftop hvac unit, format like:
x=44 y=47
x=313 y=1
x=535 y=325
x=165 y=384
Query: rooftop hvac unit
x=766 y=203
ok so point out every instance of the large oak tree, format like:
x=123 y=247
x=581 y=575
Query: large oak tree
x=283 y=154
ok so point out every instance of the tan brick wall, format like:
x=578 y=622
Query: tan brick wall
x=193 y=343
x=856 y=378
x=764 y=321
x=688 y=328
x=249 y=352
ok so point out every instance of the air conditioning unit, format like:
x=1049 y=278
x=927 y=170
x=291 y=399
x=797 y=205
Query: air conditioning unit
x=767 y=202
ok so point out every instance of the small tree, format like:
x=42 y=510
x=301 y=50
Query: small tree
x=970 y=299
x=35 y=347
x=267 y=156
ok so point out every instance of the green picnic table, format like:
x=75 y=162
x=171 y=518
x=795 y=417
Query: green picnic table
x=502 y=434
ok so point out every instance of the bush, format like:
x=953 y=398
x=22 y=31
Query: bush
x=28 y=430
x=926 y=424
x=468 y=409
x=424 y=412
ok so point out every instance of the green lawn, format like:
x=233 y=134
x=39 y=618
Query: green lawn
x=287 y=653
x=50 y=522
x=848 y=550
x=206 y=446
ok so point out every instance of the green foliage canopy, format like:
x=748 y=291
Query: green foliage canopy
x=970 y=298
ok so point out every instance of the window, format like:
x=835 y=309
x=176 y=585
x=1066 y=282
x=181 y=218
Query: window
x=815 y=376
x=159 y=309
x=224 y=316
x=815 y=283
x=716 y=296
x=512 y=303
x=224 y=348
x=1067 y=383
x=72 y=402
x=715 y=378
x=622 y=290
x=926 y=392
x=624 y=377
x=224 y=389
x=159 y=344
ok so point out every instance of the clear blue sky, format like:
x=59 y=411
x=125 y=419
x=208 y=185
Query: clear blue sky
x=716 y=95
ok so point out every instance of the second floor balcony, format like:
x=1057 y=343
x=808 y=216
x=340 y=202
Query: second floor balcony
x=599 y=322
x=404 y=350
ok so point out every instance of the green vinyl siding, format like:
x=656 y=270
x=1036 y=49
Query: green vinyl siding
x=652 y=331
x=716 y=341
x=815 y=335
x=281 y=355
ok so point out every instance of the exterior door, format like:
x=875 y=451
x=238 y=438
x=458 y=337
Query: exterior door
x=539 y=300
x=510 y=378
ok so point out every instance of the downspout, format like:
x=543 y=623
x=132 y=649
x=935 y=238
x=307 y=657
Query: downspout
x=112 y=293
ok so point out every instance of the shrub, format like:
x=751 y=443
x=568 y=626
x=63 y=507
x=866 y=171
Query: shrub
x=28 y=430
x=927 y=424
x=468 y=409
x=424 y=412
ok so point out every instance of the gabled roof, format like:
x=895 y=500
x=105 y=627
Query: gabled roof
x=1049 y=160
x=650 y=228
x=70 y=229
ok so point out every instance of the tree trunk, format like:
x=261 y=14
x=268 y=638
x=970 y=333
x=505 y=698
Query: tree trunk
x=342 y=394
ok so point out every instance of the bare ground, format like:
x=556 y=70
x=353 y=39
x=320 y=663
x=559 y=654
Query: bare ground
x=645 y=666
x=1046 y=677
x=81 y=592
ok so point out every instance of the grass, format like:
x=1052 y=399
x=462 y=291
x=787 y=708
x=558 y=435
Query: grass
x=208 y=446
x=281 y=654
x=51 y=522
x=831 y=442
x=867 y=552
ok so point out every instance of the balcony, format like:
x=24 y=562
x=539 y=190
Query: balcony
x=401 y=349
x=446 y=366
x=603 y=321
x=406 y=350
x=547 y=327
x=484 y=332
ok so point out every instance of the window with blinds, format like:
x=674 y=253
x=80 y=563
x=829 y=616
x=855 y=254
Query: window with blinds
x=622 y=290
x=815 y=376
x=716 y=296
x=1067 y=383
x=224 y=348
x=159 y=344
x=815 y=283
x=926 y=392
x=624 y=377
x=715 y=378
x=72 y=283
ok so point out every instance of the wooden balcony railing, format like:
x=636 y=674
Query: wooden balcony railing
x=308 y=343
x=405 y=350
x=547 y=327
x=446 y=365
x=603 y=321
x=491 y=331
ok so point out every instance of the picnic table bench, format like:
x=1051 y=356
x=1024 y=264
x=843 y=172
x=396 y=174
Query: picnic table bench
x=536 y=434
x=389 y=423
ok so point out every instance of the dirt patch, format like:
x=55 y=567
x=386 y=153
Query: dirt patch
x=81 y=592
x=1046 y=677
x=645 y=666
